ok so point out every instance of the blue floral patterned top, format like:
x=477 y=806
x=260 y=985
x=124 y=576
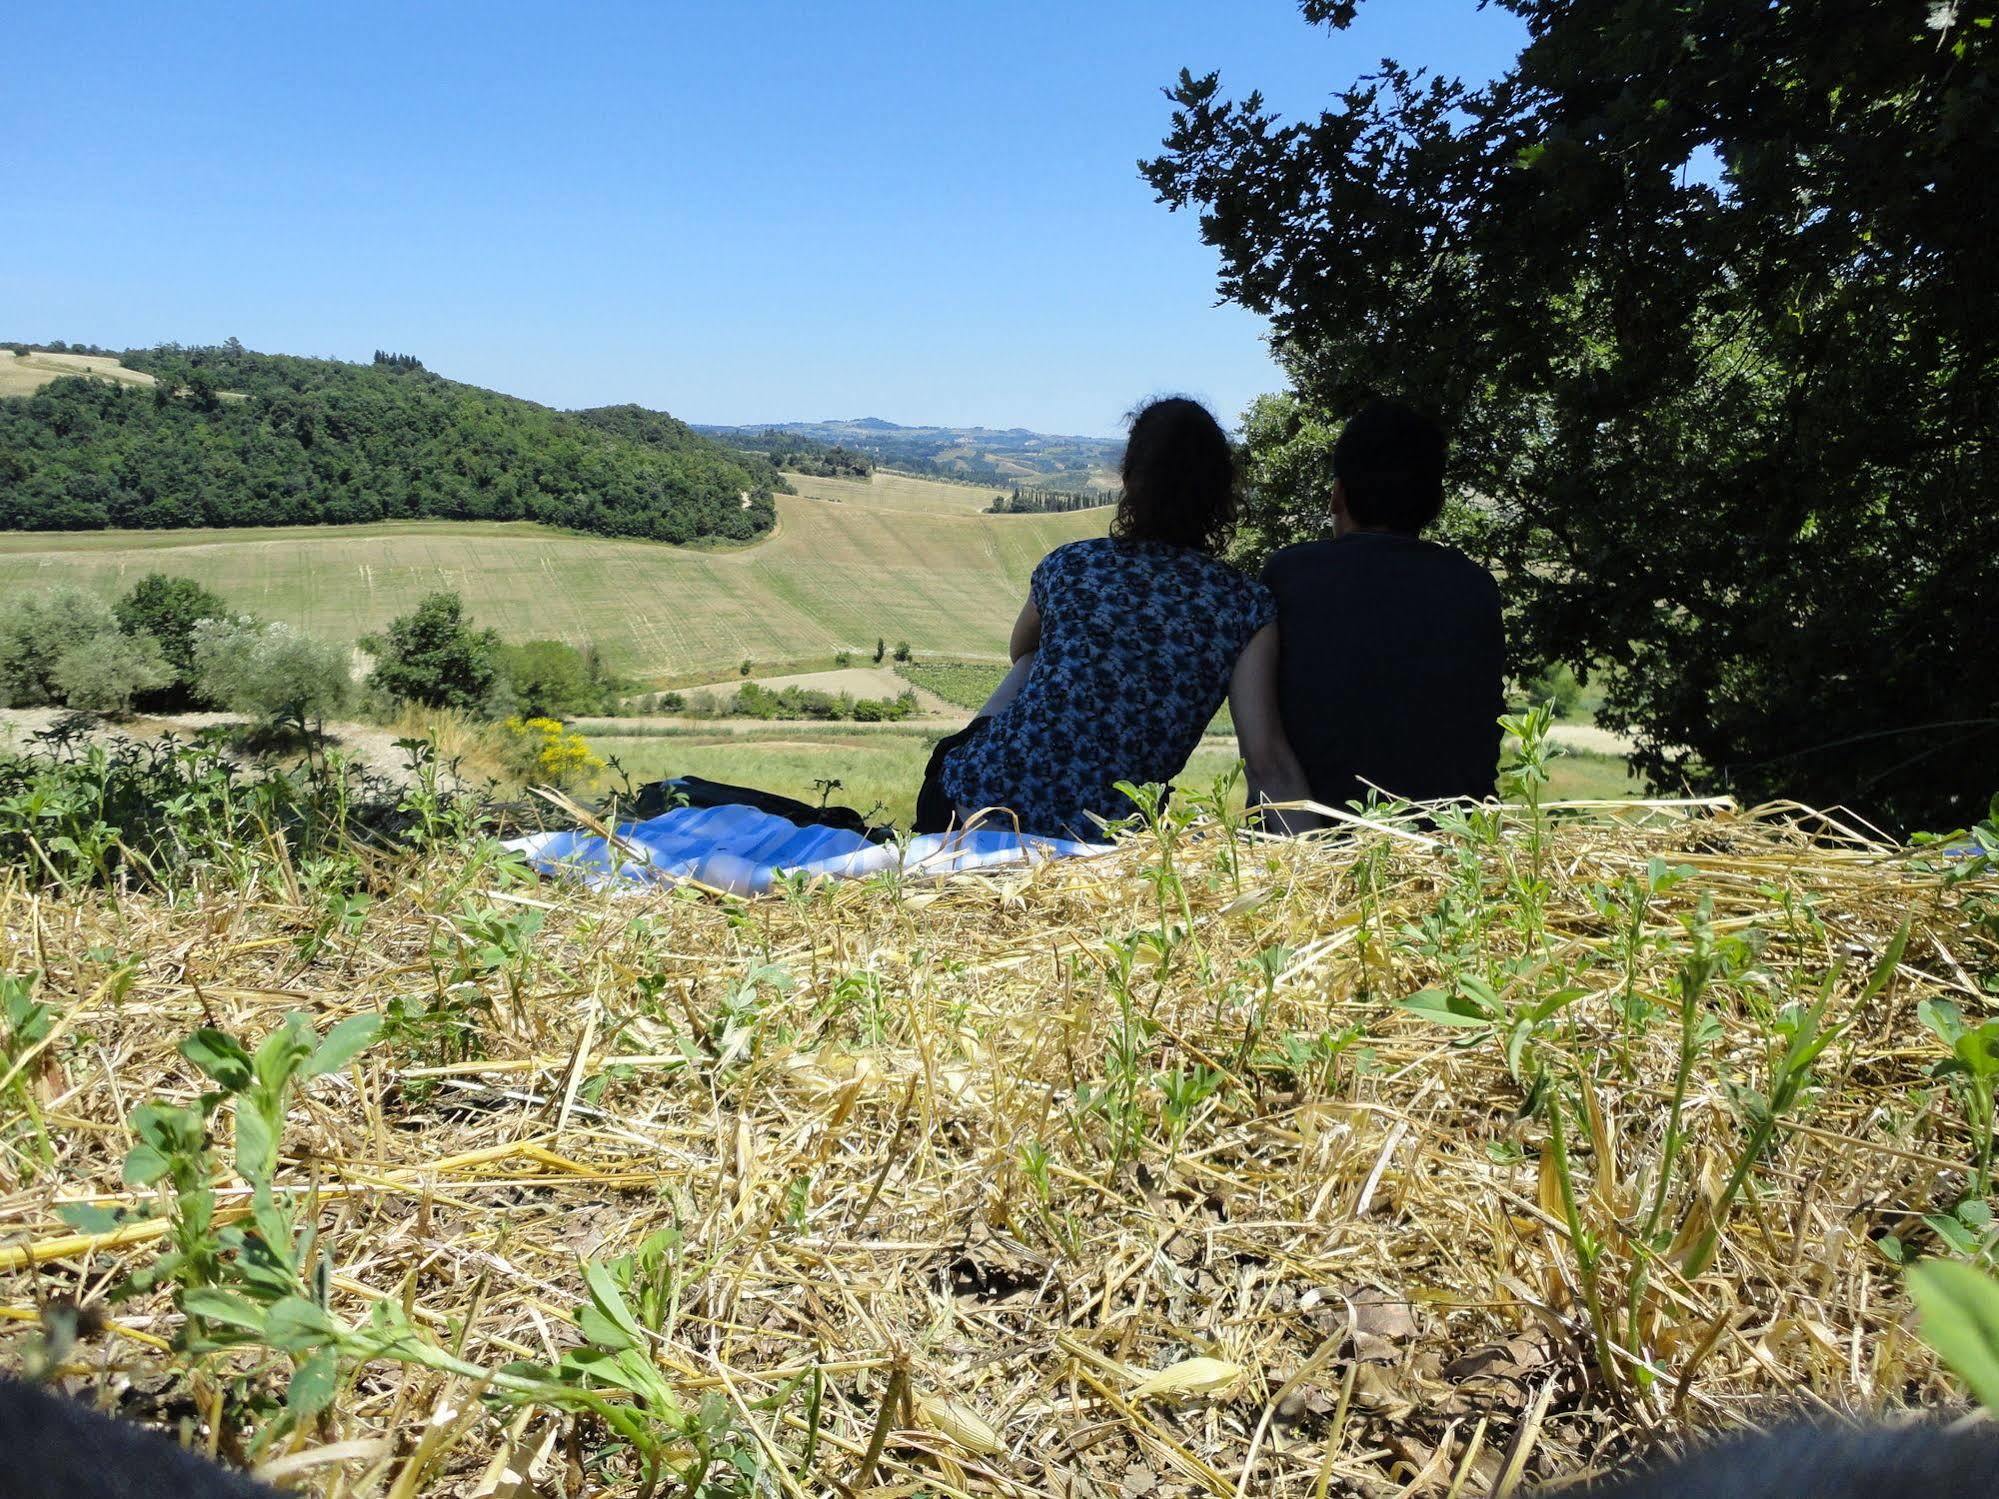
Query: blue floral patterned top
x=1138 y=641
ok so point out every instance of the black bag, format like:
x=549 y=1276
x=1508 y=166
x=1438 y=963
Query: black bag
x=935 y=811
x=658 y=797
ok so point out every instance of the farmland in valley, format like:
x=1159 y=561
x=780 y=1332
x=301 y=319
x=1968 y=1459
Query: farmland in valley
x=895 y=558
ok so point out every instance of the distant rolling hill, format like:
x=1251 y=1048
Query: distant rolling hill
x=981 y=455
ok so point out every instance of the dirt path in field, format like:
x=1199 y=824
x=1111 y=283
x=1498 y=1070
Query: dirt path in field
x=370 y=745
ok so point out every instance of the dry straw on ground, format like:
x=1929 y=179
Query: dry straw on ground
x=981 y=1189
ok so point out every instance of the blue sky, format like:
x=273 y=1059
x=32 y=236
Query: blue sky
x=927 y=211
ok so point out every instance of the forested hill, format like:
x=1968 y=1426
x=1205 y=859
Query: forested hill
x=226 y=437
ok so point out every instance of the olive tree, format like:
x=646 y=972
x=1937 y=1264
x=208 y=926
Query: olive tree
x=268 y=669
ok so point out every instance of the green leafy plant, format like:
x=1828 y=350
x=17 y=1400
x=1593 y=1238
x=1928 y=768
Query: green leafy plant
x=254 y=1280
x=1972 y=1071
x=1959 y=1308
x=25 y=1023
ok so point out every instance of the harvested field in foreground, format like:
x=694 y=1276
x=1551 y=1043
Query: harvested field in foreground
x=935 y=1187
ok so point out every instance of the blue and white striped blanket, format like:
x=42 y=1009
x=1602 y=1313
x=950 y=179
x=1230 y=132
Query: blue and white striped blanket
x=744 y=851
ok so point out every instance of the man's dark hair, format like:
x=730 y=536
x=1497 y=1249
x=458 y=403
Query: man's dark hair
x=1391 y=459
x=1936 y=1462
x=1179 y=478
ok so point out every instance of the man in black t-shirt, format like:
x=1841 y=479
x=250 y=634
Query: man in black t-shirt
x=1391 y=652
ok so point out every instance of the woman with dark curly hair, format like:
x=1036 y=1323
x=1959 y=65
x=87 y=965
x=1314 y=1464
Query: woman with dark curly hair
x=1125 y=649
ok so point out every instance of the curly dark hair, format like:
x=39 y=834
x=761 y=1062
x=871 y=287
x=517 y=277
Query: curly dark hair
x=1179 y=478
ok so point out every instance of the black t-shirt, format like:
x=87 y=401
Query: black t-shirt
x=1391 y=667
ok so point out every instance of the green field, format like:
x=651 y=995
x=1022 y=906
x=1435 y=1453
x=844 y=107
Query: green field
x=900 y=559
x=967 y=685
x=880 y=770
x=964 y=684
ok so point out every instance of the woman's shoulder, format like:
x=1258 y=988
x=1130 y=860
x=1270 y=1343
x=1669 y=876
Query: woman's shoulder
x=1229 y=578
x=1087 y=549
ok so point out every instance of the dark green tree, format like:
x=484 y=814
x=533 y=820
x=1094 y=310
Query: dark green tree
x=551 y=679
x=431 y=656
x=168 y=608
x=1704 y=292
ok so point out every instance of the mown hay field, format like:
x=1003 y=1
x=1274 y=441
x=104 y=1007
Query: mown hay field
x=883 y=490
x=1398 y=1162
x=24 y=374
x=834 y=577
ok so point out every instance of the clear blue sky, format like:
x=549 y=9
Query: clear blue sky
x=736 y=211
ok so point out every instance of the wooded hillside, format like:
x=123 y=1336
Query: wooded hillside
x=228 y=437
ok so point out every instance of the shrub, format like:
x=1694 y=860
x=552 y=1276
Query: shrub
x=550 y=679
x=753 y=701
x=745 y=669
x=843 y=659
x=902 y=651
x=270 y=670
x=431 y=656
x=870 y=710
x=168 y=609
x=104 y=673
x=36 y=631
x=542 y=750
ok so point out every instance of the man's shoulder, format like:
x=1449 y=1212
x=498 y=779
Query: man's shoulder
x=1299 y=557
x=1471 y=568
x=1409 y=560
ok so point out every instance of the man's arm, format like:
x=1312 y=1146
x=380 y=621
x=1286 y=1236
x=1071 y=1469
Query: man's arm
x=1274 y=772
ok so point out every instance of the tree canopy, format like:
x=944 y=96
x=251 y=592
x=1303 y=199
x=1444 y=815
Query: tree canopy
x=227 y=437
x=432 y=656
x=168 y=609
x=1703 y=291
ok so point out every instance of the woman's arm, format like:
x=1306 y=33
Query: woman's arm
x=1274 y=772
x=1009 y=687
x=1026 y=641
x=1026 y=631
